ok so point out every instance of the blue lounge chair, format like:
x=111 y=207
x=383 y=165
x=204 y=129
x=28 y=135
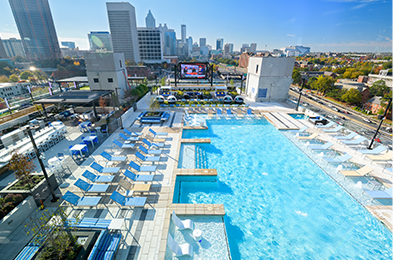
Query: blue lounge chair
x=340 y=159
x=320 y=147
x=147 y=158
x=86 y=187
x=28 y=252
x=132 y=133
x=149 y=144
x=218 y=112
x=377 y=150
x=143 y=178
x=126 y=138
x=359 y=140
x=101 y=169
x=113 y=158
x=146 y=151
x=380 y=194
x=347 y=137
x=80 y=201
x=128 y=201
x=301 y=130
x=116 y=142
x=159 y=134
x=329 y=125
x=97 y=178
x=334 y=130
x=229 y=113
x=249 y=113
x=142 y=168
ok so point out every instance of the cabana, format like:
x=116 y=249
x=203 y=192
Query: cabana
x=172 y=99
x=160 y=99
x=228 y=99
x=239 y=99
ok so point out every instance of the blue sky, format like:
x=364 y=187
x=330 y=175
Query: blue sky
x=323 y=25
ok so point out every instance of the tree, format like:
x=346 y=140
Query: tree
x=19 y=59
x=26 y=74
x=14 y=78
x=387 y=65
x=145 y=82
x=323 y=84
x=339 y=70
x=296 y=76
x=162 y=81
x=153 y=104
x=22 y=168
x=231 y=83
x=353 y=96
x=311 y=81
x=379 y=88
x=4 y=79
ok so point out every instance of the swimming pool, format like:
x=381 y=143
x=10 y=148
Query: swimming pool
x=279 y=204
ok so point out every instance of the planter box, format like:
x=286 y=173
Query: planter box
x=16 y=217
x=39 y=192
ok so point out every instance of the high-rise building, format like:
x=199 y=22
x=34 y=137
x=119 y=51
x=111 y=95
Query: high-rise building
x=70 y=45
x=253 y=47
x=226 y=49
x=183 y=33
x=163 y=30
x=230 y=47
x=100 y=41
x=219 y=44
x=3 y=54
x=122 y=24
x=150 y=47
x=170 y=42
x=202 y=42
x=189 y=45
x=150 y=21
x=13 y=47
x=36 y=29
x=245 y=48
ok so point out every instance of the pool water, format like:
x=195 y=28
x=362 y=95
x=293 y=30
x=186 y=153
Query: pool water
x=279 y=204
x=298 y=116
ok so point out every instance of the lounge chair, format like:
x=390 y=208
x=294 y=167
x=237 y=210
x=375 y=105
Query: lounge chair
x=380 y=194
x=147 y=158
x=314 y=135
x=301 y=130
x=131 y=188
x=94 y=188
x=159 y=134
x=218 y=112
x=384 y=157
x=358 y=173
x=80 y=201
x=347 y=137
x=358 y=140
x=149 y=144
x=146 y=151
x=126 y=138
x=142 y=168
x=328 y=125
x=321 y=147
x=340 y=159
x=98 y=178
x=179 y=250
x=375 y=151
x=249 y=113
x=128 y=201
x=132 y=133
x=116 y=142
x=182 y=224
x=101 y=169
x=134 y=177
x=229 y=113
x=113 y=158
x=334 y=130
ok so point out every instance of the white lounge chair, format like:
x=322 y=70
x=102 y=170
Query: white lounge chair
x=179 y=250
x=347 y=137
x=308 y=137
x=379 y=194
x=334 y=130
x=384 y=157
x=321 y=147
x=329 y=125
x=301 y=130
x=340 y=159
x=375 y=151
x=358 y=140
x=358 y=173
x=182 y=224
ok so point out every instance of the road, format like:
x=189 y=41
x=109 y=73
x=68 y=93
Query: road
x=351 y=121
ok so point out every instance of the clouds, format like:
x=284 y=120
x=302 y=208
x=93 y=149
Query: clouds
x=291 y=35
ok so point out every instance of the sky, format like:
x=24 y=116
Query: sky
x=323 y=25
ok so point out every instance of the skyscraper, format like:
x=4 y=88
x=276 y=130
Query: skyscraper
x=3 y=54
x=13 y=47
x=202 y=42
x=183 y=33
x=219 y=44
x=122 y=23
x=189 y=45
x=36 y=29
x=100 y=41
x=70 y=45
x=150 y=21
x=170 y=42
x=150 y=44
x=253 y=47
x=230 y=47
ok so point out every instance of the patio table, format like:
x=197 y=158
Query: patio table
x=78 y=147
x=90 y=139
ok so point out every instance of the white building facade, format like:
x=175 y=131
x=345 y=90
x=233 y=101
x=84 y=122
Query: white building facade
x=269 y=78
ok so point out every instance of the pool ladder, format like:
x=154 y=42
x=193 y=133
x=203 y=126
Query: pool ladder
x=200 y=154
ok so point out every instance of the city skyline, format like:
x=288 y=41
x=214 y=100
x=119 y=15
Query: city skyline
x=335 y=25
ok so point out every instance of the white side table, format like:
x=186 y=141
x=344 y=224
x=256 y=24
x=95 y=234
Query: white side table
x=116 y=224
x=197 y=233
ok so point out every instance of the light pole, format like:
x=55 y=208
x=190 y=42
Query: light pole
x=380 y=124
x=37 y=153
x=118 y=106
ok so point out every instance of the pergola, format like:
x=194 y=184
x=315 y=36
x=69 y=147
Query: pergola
x=77 y=80
x=75 y=97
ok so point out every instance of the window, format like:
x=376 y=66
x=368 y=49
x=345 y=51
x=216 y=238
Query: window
x=110 y=80
x=257 y=69
x=96 y=80
x=120 y=64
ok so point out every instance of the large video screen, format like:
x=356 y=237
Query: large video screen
x=193 y=70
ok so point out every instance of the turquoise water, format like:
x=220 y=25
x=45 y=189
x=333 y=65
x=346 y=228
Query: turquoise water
x=298 y=116
x=279 y=204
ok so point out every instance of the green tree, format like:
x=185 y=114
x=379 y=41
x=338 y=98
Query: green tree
x=339 y=70
x=231 y=83
x=387 y=65
x=22 y=168
x=145 y=82
x=379 y=88
x=353 y=96
x=323 y=84
x=310 y=81
x=162 y=81
x=26 y=74
x=296 y=76
x=4 y=78
x=14 y=78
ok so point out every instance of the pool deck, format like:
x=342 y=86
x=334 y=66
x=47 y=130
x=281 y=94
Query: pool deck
x=145 y=231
